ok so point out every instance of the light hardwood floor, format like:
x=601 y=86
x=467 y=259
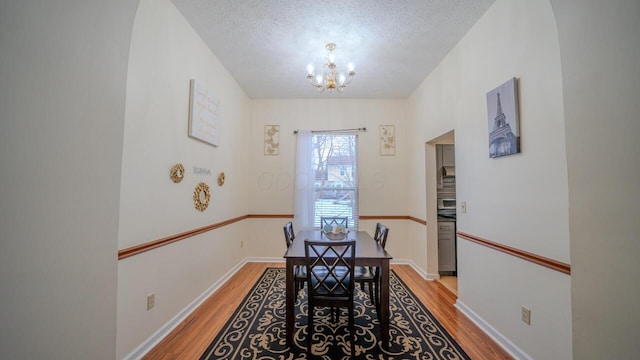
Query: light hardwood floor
x=450 y=282
x=189 y=339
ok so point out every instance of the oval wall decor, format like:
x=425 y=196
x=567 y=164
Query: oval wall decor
x=221 y=179
x=201 y=196
x=177 y=173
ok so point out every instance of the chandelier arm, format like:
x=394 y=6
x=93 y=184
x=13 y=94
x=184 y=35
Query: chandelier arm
x=311 y=81
x=351 y=75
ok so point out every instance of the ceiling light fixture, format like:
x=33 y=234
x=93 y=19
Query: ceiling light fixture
x=330 y=80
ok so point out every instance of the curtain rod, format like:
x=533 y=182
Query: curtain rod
x=295 y=132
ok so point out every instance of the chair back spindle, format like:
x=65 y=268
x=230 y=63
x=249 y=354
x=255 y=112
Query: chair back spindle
x=334 y=221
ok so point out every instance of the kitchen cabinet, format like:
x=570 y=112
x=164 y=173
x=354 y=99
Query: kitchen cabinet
x=447 y=247
x=448 y=155
x=445 y=157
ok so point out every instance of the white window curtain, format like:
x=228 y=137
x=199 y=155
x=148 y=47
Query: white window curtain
x=326 y=178
x=305 y=181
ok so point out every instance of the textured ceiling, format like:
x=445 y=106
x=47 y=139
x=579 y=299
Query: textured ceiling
x=266 y=45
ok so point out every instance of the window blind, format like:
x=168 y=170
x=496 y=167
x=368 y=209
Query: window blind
x=335 y=162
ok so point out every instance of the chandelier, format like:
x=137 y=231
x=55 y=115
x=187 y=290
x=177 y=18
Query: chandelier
x=330 y=80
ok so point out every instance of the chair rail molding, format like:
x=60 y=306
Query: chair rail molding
x=150 y=245
x=525 y=255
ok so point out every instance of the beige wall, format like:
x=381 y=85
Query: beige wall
x=520 y=200
x=165 y=54
x=271 y=178
x=601 y=82
x=61 y=123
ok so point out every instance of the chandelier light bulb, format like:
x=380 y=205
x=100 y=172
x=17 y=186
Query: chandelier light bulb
x=332 y=58
x=350 y=67
x=310 y=69
x=319 y=79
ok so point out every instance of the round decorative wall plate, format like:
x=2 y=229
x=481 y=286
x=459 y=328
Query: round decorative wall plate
x=201 y=196
x=221 y=179
x=177 y=173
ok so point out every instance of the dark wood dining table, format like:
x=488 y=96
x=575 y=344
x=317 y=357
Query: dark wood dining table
x=368 y=252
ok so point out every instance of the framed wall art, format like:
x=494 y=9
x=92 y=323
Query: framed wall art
x=387 y=140
x=272 y=139
x=204 y=114
x=503 y=120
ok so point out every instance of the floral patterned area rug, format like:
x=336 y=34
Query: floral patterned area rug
x=257 y=328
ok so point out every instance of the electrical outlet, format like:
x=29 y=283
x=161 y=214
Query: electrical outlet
x=151 y=301
x=241 y=244
x=526 y=315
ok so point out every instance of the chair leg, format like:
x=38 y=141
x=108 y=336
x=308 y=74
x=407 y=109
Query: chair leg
x=352 y=330
x=376 y=292
x=309 y=329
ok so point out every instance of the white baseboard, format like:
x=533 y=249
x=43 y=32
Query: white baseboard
x=154 y=339
x=432 y=277
x=413 y=265
x=425 y=275
x=263 y=259
x=502 y=340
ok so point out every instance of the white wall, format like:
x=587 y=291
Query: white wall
x=520 y=200
x=61 y=109
x=382 y=184
x=165 y=54
x=601 y=80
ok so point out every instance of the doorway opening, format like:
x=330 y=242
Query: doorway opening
x=444 y=208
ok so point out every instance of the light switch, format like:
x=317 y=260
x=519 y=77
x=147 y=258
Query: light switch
x=463 y=207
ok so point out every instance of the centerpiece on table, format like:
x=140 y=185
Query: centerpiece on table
x=338 y=232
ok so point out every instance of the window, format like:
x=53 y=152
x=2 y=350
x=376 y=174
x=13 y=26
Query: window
x=336 y=182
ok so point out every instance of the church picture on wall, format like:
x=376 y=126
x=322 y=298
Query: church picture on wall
x=504 y=131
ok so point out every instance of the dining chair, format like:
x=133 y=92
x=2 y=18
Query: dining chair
x=379 y=237
x=330 y=281
x=289 y=235
x=370 y=275
x=299 y=272
x=334 y=221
